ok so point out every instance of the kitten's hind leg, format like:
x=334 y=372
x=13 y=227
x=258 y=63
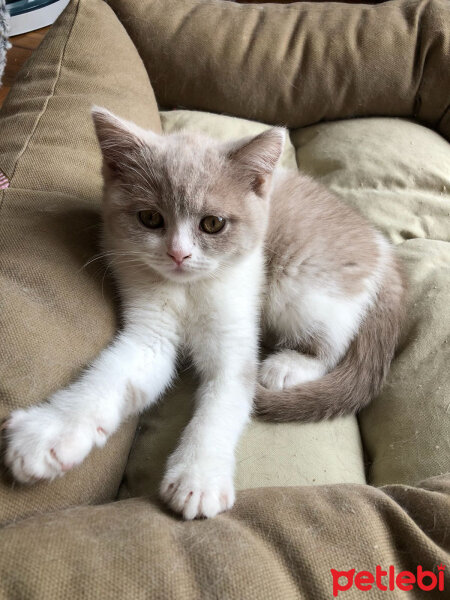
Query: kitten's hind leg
x=288 y=368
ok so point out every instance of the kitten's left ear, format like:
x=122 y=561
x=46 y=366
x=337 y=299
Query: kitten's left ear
x=258 y=156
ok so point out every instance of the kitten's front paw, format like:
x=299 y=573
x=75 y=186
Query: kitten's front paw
x=196 y=490
x=41 y=444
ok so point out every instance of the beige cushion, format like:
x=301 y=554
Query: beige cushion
x=275 y=543
x=393 y=171
x=297 y=64
x=407 y=429
x=55 y=315
x=397 y=174
x=268 y=454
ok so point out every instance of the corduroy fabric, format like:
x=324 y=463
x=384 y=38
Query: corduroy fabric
x=297 y=64
x=55 y=315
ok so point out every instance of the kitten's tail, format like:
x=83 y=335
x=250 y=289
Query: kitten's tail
x=360 y=374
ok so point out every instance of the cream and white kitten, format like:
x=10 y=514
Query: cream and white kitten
x=212 y=243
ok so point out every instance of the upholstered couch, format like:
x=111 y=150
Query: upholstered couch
x=365 y=93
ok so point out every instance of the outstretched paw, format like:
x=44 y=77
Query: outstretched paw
x=42 y=444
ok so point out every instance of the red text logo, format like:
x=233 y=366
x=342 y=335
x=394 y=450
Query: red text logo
x=388 y=580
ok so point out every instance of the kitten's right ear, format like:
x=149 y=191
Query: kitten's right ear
x=120 y=141
x=258 y=156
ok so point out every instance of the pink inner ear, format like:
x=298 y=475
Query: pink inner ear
x=258 y=183
x=4 y=181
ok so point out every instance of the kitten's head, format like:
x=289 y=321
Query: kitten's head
x=184 y=204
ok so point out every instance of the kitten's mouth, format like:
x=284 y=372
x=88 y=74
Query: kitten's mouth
x=179 y=269
x=180 y=272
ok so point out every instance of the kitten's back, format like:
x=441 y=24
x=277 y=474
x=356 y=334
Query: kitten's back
x=311 y=227
x=330 y=277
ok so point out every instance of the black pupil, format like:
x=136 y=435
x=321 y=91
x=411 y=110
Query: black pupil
x=151 y=219
x=212 y=224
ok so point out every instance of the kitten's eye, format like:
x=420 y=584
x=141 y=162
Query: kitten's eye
x=151 y=219
x=212 y=224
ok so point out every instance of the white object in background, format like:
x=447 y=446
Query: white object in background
x=35 y=19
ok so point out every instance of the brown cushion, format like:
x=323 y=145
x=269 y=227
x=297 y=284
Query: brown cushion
x=55 y=315
x=297 y=64
x=275 y=543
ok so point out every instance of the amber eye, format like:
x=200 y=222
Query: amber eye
x=151 y=219
x=212 y=224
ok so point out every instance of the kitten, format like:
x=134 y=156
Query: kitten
x=210 y=243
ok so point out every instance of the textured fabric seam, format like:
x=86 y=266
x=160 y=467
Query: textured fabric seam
x=44 y=191
x=47 y=100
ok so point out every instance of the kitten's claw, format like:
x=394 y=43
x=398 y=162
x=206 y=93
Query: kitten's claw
x=40 y=444
x=195 y=493
x=4 y=424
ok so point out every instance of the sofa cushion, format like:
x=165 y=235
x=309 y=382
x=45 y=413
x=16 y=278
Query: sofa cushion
x=397 y=174
x=55 y=315
x=297 y=64
x=394 y=171
x=275 y=543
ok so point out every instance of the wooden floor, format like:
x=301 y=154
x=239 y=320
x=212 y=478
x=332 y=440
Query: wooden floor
x=23 y=47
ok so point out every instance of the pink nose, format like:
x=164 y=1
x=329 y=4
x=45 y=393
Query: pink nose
x=178 y=256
